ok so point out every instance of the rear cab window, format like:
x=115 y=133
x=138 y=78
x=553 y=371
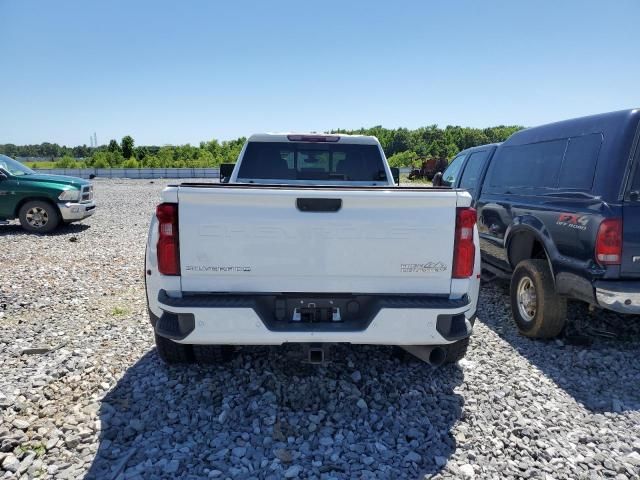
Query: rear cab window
x=472 y=171
x=634 y=191
x=566 y=164
x=531 y=166
x=450 y=175
x=579 y=163
x=325 y=162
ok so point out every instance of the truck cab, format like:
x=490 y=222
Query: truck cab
x=558 y=214
x=466 y=170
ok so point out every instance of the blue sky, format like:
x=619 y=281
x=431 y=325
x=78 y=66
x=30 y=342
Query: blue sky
x=185 y=71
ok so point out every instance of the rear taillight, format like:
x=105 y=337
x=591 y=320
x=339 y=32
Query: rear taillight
x=168 y=247
x=609 y=242
x=464 y=250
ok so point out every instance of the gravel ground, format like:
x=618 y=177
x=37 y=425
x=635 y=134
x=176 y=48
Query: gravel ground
x=97 y=403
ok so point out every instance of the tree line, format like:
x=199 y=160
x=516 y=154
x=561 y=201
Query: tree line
x=403 y=148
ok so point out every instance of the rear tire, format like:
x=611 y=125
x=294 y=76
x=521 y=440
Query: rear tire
x=212 y=354
x=171 y=352
x=538 y=311
x=38 y=216
x=457 y=350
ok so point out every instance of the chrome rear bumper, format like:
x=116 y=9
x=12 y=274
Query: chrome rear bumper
x=621 y=297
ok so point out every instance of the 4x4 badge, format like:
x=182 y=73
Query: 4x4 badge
x=572 y=220
x=636 y=259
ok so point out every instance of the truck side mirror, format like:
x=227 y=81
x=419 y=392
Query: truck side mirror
x=437 y=180
x=226 y=169
x=395 y=173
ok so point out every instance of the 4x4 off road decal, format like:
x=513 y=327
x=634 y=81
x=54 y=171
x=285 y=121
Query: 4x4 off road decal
x=423 y=267
x=572 y=220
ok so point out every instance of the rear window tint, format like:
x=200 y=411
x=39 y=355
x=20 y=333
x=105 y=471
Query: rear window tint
x=471 y=174
x=309 y=161
x=536 y=165
x=579 y=164
x=450 y=175
x=635 y=185
x=635 y=182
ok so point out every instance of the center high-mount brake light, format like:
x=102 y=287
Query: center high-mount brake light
x=609 y=242
x=464 y=250
x=168 y=244
x=313 y=138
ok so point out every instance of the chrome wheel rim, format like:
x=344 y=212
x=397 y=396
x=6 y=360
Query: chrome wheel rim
x=37 y=217
x=527 y=299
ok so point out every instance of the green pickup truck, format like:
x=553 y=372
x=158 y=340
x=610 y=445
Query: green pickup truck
x=42 y=202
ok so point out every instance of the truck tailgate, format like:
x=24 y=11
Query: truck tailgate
x=631 y=240
x=238 y=239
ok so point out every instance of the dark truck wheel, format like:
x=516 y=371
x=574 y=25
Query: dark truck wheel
x=538 y=310
x=37 y=216
x=457 y=350
x=171 y=352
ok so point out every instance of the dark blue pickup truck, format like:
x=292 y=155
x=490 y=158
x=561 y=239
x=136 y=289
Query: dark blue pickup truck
x=559 y=213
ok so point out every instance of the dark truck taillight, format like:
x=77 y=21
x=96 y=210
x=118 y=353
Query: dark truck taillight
x=168 y=245
x=464 y=251
x=609 y=242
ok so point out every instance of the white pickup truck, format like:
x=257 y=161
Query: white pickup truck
x=312 y=242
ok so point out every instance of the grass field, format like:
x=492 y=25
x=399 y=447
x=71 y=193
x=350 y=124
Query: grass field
x=36 y=165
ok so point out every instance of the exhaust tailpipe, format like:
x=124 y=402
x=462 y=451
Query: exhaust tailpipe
x=433 y=355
